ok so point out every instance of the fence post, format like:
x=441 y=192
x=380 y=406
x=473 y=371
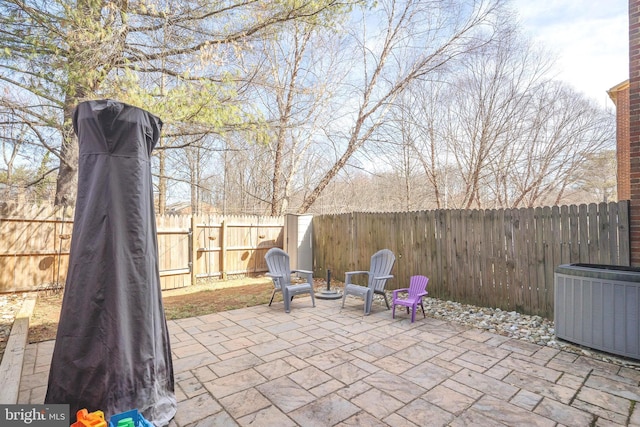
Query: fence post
x=223 y=250
x=193 y=240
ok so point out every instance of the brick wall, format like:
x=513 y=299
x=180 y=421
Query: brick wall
x=619 y=94
x=634 y=129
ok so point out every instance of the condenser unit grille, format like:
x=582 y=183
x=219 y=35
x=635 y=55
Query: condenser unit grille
x=594 y=309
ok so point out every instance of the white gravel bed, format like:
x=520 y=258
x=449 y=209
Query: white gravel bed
x=533 y=329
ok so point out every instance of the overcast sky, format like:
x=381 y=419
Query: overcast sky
x=590 y=38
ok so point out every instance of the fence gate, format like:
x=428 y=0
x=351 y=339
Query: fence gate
x=174 y=251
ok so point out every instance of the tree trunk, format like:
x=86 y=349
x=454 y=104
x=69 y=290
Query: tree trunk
x=67 y=181
x=162 y=182
x=277 y=170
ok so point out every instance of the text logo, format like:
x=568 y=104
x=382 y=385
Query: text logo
x=34 y=415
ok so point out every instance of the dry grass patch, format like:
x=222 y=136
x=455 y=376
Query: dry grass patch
x=208 y=296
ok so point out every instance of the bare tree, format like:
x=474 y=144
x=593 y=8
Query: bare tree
x=489 y=97
x=595 y=177
x=238 y=178
x=413 y=40
x=414 y=132
x=295 y=85
x=517 y=137
x=493 y=130
x=566 y=131
x=11 y=137
x=25 y=172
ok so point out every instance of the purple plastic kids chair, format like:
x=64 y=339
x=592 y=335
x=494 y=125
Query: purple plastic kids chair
x=416 y=290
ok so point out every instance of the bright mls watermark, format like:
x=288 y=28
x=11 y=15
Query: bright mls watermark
x=34 y=415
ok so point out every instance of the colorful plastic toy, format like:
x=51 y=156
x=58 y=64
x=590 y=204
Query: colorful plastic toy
x=132 y=418
x=86 y=419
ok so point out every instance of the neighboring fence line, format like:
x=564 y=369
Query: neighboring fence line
x=491 y=258
x=35 y=242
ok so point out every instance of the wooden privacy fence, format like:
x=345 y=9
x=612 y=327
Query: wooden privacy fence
x=192 y=247
x=491 y=258
x=35 y=243
x=34 y=247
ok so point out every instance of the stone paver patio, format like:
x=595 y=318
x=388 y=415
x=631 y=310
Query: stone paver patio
x=325 y=366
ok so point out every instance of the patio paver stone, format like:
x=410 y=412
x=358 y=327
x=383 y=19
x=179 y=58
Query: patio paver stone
x=328 y=366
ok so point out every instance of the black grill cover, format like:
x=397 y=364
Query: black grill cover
x=112 y=350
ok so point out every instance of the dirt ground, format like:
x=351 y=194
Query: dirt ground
x=208 y=296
